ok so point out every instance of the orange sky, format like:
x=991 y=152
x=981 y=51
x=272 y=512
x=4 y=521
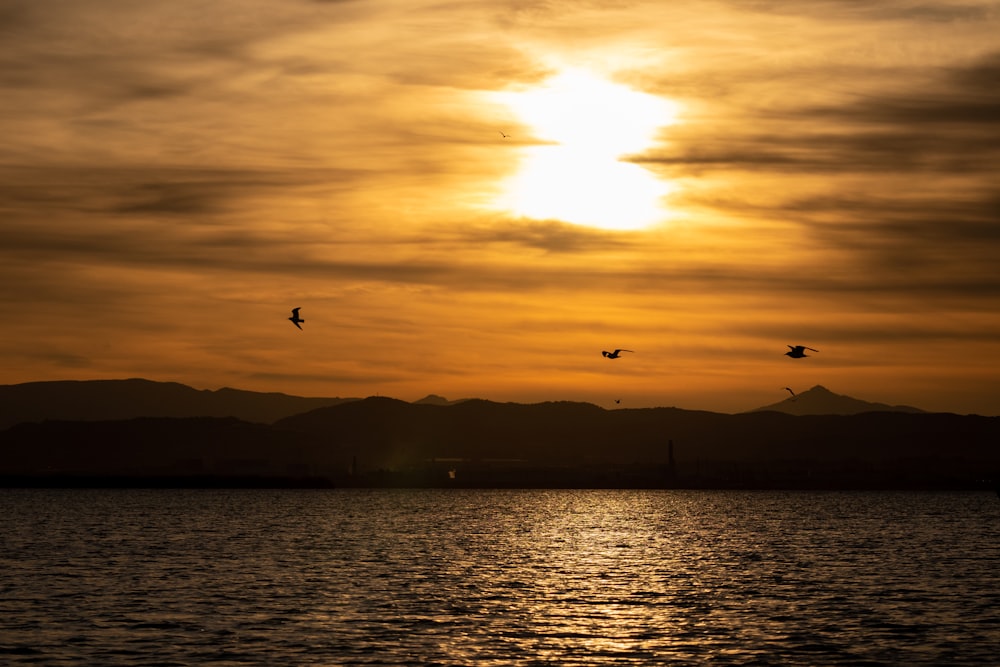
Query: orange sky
x=175 y=177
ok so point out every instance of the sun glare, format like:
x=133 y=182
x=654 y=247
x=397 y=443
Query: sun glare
x=580 y=177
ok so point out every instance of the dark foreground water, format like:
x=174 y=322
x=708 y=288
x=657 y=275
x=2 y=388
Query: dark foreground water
x=90 y=577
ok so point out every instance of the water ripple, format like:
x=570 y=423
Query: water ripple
x=497 y=577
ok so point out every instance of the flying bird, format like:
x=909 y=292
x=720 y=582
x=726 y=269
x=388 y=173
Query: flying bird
x=502 y=134
x=796 y=351
x=295 y=319
x=615 y=354
x=789 y=390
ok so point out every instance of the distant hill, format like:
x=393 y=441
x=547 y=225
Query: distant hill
x=709 y=448
x=148 y=446
x=383 y=441
x=94 y=400
x=90 y=432
x=821 y=401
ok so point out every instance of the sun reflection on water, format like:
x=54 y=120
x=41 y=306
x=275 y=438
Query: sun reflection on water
x=500 y=577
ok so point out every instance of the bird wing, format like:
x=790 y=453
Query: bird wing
x=295 y=312
x=810 y=348
x=296 y=325
x=620 y=350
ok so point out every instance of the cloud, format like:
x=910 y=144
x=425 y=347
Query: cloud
x=550 y=236
x=174 y=176
x=858 y=10
x=952 y=123
x=894 y=189
x=59 y=359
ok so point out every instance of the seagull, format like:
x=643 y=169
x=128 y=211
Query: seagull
x=614 y=355
x=618 y=401
x=505 y=136
x=295 y=319
x=789 y=390
x=796 y=351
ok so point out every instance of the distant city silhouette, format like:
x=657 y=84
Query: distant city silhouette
x=295 y=319
x=615 y=354
x=797 y=351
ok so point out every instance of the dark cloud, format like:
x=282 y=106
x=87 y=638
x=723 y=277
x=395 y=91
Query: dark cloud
x=92 y=58
x=60 y=359
x=886 y=337
x=172 y=199
x=854 y=10
x=950 y=124
x=878 y=259
x=857 y=150
x=550 y=236
x=980 y=75
x=937 y=12
x=967 y=103
x=931 y=243
x=153 y=190
x=14 y=16
x=912 y=203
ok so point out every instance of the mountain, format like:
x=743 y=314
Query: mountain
x=389 y=433
x=94 y=400
x=538 y=444
x=89 y=432
x=386 y=442
x=821 y=401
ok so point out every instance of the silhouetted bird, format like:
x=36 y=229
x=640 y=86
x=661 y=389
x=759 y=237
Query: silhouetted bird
x=295 y=319
x=789 y=390
x=618 y=400
x=615 y=354
x=796 y=351
x=505 y=136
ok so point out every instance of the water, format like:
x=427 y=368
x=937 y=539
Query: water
x=451 y=577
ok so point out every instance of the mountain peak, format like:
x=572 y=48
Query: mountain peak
x=432 y=399
x=821 y=401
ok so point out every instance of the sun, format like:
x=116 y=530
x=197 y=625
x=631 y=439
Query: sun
x=588 y=124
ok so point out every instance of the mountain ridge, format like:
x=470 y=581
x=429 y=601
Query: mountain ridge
x=381 y=441
x=97 y=400
x=88 y=400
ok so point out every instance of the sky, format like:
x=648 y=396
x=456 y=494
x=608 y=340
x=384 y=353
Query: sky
x=474 y=198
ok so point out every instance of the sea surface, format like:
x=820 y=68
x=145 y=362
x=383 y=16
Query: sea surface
x=474 y=577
